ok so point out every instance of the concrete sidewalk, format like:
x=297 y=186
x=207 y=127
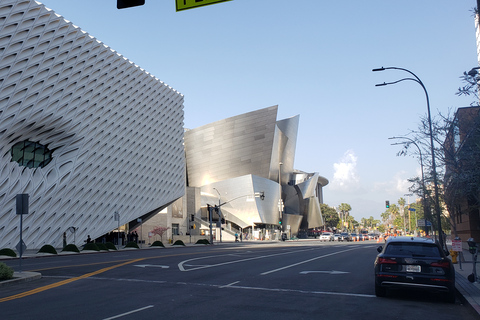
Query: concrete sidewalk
x=469 y=291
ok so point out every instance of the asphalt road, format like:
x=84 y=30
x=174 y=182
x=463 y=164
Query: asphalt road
x=231 y=281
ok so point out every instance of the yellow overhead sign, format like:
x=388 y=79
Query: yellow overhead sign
x=190 y=4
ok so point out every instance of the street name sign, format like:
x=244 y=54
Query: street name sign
x=423 y=223
x=191 y=4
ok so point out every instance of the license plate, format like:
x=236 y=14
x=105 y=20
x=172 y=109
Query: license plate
x=414 y=268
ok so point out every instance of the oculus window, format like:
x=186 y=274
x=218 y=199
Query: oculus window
x=31 y=154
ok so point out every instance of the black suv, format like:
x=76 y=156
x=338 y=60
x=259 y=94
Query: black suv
x=414 y=263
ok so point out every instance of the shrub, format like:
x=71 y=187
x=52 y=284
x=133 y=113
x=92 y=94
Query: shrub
x=47 y=249
x=157 y=244
x=91 y=246
x=132 y=244
x=202 y=241
x=102 y=246
x=179 y=243
x=8 y=252
x=71 y=248
x=5 y=272
x=110 y=246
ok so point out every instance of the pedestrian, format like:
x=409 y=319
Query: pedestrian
x=236 y=237
x=88 y=239
x=64 y=240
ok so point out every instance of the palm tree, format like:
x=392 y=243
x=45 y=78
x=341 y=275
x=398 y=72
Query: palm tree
x=345 y=208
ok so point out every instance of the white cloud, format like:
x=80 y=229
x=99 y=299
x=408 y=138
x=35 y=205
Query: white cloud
x=398 y=184
x=345 y=176
x=401 y=182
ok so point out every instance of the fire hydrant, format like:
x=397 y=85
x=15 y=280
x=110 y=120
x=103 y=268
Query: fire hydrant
x=454 y=255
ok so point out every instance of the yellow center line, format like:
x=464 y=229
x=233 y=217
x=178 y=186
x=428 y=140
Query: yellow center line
x=61 y=283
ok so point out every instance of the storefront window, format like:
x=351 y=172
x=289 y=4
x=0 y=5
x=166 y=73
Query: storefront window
x=175 y=229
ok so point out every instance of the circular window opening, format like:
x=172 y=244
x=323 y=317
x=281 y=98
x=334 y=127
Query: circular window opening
x=31 y=154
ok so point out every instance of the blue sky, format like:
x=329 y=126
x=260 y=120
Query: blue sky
x=313 y=58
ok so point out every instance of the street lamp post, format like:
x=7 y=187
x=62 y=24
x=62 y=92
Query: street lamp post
x=219 y=217
x=116 y=217
x=424 y=190
x=432 y=148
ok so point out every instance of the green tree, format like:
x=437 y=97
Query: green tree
x=330 y=216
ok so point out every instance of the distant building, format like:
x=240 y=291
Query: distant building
x=83 y=130
x=462 y=175
x=245 y=165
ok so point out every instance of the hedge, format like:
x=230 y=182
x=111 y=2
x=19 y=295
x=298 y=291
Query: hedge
x=202 y=241
x=91 y=246
x=47 y=249
x=8 y=252
x=71 y=248
x=157 y=244
x=5 y=272
x=110 y=246
x=132 y=244
x=179 y=243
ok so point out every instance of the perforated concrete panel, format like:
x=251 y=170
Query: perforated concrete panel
x=116 y=131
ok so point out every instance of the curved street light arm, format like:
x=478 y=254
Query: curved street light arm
x=394 y=82
x=260 y=195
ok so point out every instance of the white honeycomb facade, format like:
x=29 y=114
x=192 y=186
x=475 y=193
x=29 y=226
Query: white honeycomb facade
x=116 y=130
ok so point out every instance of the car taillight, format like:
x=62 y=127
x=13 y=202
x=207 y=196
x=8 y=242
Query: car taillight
x=441 y=264
x=386 y=261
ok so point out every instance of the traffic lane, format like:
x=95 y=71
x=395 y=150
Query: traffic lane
x=84 y=263
x=252 y=266
x=109 y=294
x=340 y=271
x=100 y=298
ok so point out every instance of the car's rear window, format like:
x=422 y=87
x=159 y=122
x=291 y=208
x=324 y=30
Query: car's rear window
x=412 y=249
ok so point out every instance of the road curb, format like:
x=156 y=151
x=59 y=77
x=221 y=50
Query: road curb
x=19 y=277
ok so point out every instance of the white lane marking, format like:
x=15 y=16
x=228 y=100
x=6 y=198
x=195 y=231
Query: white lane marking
x=229 y=285
x=127 y=313
x=329 y=272
x=306 y=261
x=232 y=286
x=183 y=263
x=151 y=265
x=308 y=292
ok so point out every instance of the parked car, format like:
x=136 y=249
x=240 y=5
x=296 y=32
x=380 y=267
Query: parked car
x=336 y=237
x=354 y=237
x=373 y=236
x=345 y=236
x=416 y=264
x=326 y=236
x=360 y=237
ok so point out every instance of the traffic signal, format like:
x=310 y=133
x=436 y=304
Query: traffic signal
x=122 y=4
x=280 y=222
x=387 y=204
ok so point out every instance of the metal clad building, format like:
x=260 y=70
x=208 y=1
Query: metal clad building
x=235 y=160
